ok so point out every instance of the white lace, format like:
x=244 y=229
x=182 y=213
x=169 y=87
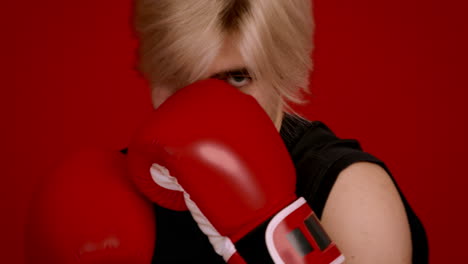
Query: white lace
x=221 y=244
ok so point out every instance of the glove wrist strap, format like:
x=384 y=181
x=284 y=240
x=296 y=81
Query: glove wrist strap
x=293 y=235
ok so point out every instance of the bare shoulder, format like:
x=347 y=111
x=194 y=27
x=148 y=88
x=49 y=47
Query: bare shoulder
x=366 y=218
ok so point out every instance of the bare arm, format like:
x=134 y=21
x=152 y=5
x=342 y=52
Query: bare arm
x=366 y=218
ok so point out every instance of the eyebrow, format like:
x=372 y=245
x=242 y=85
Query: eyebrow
x=231 y=72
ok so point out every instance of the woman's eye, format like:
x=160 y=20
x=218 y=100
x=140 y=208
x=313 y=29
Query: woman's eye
x=238 y=80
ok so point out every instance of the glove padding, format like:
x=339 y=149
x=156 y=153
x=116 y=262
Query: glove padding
x=231 y=165
x=88 y=211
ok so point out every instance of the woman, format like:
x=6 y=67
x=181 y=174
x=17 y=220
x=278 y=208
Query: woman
x=263 y=48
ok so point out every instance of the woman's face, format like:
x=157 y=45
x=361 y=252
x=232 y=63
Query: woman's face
x=230 y=67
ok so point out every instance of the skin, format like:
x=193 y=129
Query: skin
x=364 y=214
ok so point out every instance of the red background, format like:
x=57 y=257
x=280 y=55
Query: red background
x=391 y=73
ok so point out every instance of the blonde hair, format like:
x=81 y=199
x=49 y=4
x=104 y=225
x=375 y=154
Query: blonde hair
x=180 y=38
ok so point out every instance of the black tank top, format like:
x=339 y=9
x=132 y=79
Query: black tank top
x=319 y=156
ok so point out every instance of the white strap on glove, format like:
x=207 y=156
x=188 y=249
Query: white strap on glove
x=221 y=244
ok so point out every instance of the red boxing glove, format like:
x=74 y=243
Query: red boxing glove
x=89 y=212
x=232 y=167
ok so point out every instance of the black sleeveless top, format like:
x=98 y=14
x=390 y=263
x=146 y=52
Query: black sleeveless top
x=319 y=156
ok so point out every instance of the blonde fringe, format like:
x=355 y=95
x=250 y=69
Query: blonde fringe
x=180 y=39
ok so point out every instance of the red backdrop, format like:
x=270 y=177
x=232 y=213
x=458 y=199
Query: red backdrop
x=390 y=73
